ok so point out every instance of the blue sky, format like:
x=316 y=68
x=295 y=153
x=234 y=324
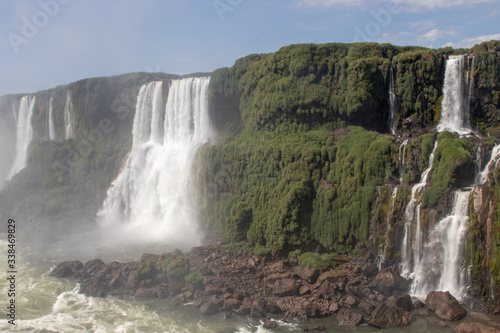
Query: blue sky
x=45 y=43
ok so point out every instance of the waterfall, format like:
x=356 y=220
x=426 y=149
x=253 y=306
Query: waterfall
x=52 y=131
x=68 y=110
x=442 y=264
x=152 y=198
x=24 y=134
x=457 y=93
x=482 y=176
x=383 y=250
x=412 y=248
x=392 y=103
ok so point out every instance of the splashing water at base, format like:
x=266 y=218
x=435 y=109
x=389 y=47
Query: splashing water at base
x=152 y=199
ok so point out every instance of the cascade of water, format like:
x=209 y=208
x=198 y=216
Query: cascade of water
x=52 y=131
x=392 y=103
x=441 y=267
x=153 y=193
x=68 y=111
x=24 y=134
x=482 y=176
x=411 y=248
x=456 y=100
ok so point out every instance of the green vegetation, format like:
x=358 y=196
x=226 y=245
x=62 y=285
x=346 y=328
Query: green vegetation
x=176 y=266
x=145 y=271
x=314 y=260
x=194 y=278
x=453 y=167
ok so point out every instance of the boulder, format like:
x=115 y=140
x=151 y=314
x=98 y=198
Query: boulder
x=208 y=308
x=386 y=316
x=474 y=328
x=384 y=283
x=349 y=317
x=66 y=269
x=306 y=274
x=404 y=302
x=155 y=292
x=231 y=304
x=315 y=328
x=270 y=324
x=285 y=287
x=445 y=305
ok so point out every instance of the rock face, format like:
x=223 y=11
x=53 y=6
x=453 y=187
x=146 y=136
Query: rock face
x=445 y=305
x=386 y=316
x=474 y=328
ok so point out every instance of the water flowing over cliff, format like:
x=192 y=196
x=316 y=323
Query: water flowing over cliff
x=457 y=95
x=68 y=111
x=24 y=134
x=153 y=197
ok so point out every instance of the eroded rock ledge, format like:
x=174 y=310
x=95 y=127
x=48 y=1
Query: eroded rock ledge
x=249 y=285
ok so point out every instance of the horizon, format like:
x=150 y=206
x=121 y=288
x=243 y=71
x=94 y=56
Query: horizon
x=48 y=43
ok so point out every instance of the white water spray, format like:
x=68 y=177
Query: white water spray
x=24 y=134
x=68 y=111
x=152 y=198
x=52 y=131
x=457 y=93
x=411 y=249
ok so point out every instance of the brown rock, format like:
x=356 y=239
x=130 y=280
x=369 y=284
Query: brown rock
x=306 y=274
x=285 y=287
x=445 y=305
x=154 y=292
x=474 y=328
x=334 y=307
x=366 y=307
x=208 y=308
x=386 y=316
x=316 y=328
x=350 y=301
x=273 y=308
x=404 y=302
x=349 y=317
x=231 y=304
x=384 y=283
x=270 y=324
x=66 y=269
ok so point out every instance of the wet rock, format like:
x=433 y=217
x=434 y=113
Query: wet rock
x=349 y=317
x=418 y=304
x=474 y=328
x=208 y=308
x=231 y=304
x=386 y=316
x=285 y=287
x=315 y=328
x=272 y=308
x=369 y=269
x=366 y=307
x=404 y=302
x=67 y=269
x=384 y=283
x=351 y=301
x=270 y=324
x=445 y=305
x=155 y=292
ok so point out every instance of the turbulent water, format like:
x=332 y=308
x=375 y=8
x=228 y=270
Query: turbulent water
x=45 y=304
x=24 y=134
x=152 y=198
x=456 y=97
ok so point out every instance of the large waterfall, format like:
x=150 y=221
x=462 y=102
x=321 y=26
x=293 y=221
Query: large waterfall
x=52 y=130
x=152 y=198
x=457 y=93
x=24 y=134
x=68 y=111
x=411 y=249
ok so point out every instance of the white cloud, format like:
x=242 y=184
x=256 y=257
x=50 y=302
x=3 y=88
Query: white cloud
x=469 y=42
x=435 y=34
x=422 y=25
x=407 y=5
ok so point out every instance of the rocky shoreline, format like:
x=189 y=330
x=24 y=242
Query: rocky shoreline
x=218 y=281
